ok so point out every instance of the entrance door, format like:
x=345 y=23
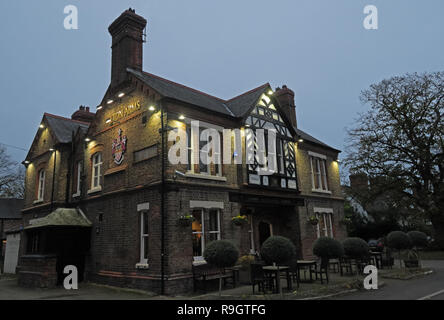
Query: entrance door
x=264 y=232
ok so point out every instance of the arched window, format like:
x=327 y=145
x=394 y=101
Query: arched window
x=41 y=185
x=96 y=170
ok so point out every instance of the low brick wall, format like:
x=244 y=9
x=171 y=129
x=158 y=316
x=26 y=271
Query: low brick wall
x=37 y=271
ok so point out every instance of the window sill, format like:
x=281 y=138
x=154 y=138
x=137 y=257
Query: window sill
x=321 y=191
x=205 y=177
x=95 y=190
x=142 y=266
x=76 y=195
x=38 y=201
x=199 y=262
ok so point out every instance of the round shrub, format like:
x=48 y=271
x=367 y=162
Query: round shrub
x=355 y=248
x=277 y=250
x=418 y=238
x=222 y=254
x=398 y=240
x=328 y=248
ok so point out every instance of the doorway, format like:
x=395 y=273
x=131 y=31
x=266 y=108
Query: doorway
x=265 y=232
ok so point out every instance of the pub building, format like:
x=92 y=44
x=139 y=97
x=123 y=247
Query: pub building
x=102 y=195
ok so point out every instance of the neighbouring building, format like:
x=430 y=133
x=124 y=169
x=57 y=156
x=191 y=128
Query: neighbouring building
x=10 y=227
x=101 y=193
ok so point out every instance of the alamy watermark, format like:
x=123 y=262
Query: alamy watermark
x=71 y=21
x=371 y=20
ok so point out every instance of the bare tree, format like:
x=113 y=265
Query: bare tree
x=401 y=138
x=11 y=177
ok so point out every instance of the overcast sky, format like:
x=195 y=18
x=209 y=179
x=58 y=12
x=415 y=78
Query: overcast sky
x=319 y=48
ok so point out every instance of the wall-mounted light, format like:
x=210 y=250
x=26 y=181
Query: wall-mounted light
x=99 y=108
x=181 y=117
x=110 y=101
x=151 y=108
x=52 y=149
x=108 y=121
x=41 y=126
x=122 y=94
x=301 y=140
x=270 y=92
x=27 y=162
x=87 y=139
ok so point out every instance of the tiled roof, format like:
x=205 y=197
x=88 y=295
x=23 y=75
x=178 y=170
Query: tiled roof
x=63 y=128
x=235 y=107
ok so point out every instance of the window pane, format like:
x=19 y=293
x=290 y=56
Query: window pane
x=197 y=233
x=145 y=247
x=214 y=224
x=145 y=223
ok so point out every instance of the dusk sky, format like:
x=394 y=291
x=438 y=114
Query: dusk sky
x=318 y=48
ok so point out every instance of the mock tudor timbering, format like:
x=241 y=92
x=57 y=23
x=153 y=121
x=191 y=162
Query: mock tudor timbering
x=108 y=166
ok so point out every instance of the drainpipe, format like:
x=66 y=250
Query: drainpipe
x=162 y=202
x=53 y=179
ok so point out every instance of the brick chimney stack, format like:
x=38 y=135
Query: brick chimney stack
x=285 y=97
x=127 y=33
x=83 y=114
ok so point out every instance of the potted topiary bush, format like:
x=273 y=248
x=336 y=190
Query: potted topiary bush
x=419 y=241
x=328 y=248
x=221 y=254
x=356 y=248
x=398 y=240
x=278 y=250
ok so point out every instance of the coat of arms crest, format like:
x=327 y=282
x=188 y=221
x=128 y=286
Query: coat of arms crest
x=119 y=148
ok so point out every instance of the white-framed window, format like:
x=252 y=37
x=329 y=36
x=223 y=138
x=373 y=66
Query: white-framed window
x=212 y=169
x=78 y=178
x=41 y=185
x=204 y=232
x=144 y=236
x=214 y=225
x=96 y=170
x=198 y=228
x=325 y=225
x=318 y=165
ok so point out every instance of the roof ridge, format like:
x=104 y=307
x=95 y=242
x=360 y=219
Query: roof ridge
x=245 y=93
x=64 y=118
x=184 y=86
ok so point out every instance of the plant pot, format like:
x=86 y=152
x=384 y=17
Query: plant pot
x=314 y=222
x=411 y=263
x=238 y=223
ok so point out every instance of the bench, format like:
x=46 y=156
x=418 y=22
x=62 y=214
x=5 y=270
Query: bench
x=205 y=273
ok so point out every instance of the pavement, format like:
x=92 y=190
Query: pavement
x=430 y=287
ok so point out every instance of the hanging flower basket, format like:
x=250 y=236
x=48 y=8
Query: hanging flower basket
x=186 y=220
x=313 y=220
x=239 y=220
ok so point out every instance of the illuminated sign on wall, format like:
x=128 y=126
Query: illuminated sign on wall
x=125 y=111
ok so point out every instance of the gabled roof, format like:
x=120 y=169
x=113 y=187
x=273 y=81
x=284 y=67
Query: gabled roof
x=11 y=208
x=63 y=128
x=235 y=107
x=306 y=137
x=62 y=217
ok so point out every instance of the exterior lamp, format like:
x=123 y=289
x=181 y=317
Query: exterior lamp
x=301 y=140
x=51 y=149
x=87 y=139
x=41 y=126
x=108 y=121
x=122 y=94
x=27 y=162
x=270 y=92
x=181 y=117
x=110 y=101
x=151 y=108
x=99 y=108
